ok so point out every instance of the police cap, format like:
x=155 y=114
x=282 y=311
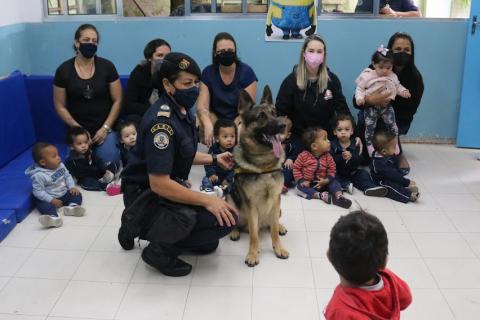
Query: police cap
x=173 y=63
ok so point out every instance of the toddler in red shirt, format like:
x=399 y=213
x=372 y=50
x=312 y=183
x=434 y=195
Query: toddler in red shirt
x=367 y=291
x=314 y=170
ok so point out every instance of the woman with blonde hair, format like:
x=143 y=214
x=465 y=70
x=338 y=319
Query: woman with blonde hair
x=311 y=95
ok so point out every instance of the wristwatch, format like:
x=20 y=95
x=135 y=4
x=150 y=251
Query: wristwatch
x=214 y=160
x=107 y=128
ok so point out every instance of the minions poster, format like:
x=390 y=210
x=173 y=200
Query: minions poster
x=290 y=20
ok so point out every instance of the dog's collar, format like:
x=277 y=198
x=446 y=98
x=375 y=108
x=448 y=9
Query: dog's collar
x=240 y=170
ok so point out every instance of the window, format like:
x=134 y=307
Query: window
x=81 y=7
x=163 y=8
x=339 y=6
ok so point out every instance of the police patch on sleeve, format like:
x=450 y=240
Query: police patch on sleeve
x=161 y=140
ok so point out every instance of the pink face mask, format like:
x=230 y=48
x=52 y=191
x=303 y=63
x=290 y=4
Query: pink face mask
x=313 y=59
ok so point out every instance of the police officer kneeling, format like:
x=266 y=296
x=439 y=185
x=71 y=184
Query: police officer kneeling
x=159 y=206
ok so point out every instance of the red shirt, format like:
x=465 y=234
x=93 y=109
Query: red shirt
x=309 y=168
x=359 y=304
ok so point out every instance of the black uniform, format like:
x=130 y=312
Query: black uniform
x=166 y=144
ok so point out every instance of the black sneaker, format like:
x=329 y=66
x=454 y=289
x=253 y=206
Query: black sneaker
x=125 y=238
x=376 y=192
x=342 y=202
x=168 y=264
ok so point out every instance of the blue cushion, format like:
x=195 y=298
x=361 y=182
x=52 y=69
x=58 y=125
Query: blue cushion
x=16 y=126
x=7 y=222
x=48 y=125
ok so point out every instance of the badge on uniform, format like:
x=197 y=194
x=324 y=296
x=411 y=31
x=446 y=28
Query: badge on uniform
x=161 y=140
x=328 y=95
x=164 y=111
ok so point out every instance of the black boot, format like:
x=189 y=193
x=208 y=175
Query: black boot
x=125 y=238
x=165 y=261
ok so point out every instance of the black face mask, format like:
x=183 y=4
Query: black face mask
x=186 y=97
x=226 y=58
x=402 y=59
x=88 y=49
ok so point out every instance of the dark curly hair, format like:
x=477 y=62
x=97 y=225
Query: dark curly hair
x=358 y=247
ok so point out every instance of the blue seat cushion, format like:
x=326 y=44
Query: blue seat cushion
x=8 y=221
x=17 y=132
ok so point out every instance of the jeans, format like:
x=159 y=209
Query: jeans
x=308 y=192
x=108 y=150
x=48 y=208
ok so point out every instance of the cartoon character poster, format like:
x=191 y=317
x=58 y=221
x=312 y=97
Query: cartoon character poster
x=289 y=20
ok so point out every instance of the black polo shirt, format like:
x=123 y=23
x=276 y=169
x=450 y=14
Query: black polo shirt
x=166 y=144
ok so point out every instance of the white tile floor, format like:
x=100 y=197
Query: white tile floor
x=80 y=272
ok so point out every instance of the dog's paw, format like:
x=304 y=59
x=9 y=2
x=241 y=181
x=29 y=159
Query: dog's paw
x=252 y=259
x=235 y=235
x=281 y=253
x=282 y=230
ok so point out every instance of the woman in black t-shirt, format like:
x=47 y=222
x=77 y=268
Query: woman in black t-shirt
x=87 y=93
x=140 y=93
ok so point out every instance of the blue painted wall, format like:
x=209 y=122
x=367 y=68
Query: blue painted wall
x=13 y=50
x=440 y=46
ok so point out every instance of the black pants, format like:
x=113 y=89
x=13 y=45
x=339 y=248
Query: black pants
x=176 y=226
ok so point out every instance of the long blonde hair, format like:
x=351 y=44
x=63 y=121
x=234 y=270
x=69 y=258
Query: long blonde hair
x=301 y=69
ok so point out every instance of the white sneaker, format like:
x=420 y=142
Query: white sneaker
x=75 y=211
x=50 y=221
x=107 y=177
x=216 y=192
x=350 y=188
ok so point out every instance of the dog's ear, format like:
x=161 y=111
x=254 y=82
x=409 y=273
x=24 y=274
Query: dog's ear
x=245 y=102
x=267 y=97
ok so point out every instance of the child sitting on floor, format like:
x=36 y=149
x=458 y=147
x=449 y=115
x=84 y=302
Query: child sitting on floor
x=358 y=251
x=292 y=149
x=314 y=170
x=347 y=159
x=225 y=132
x=53 y=186
x=385 y=171
x=128 y=138
x=91 y=172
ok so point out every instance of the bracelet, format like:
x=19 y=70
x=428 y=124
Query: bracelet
x=214 y=160
x=107 y=128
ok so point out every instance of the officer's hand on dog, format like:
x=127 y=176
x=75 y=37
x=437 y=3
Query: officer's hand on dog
x=225 y=160
x=223 y=211
x=288 y=164
x=213 y=178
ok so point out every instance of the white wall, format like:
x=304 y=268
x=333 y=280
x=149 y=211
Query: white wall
x=20 y=11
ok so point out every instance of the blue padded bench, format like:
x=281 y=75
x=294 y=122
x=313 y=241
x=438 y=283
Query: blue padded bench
x=8 y=221
x=27 y=115
x=17 y=135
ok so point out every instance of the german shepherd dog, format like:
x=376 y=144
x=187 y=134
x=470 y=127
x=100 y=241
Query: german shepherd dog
x=258 y=180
